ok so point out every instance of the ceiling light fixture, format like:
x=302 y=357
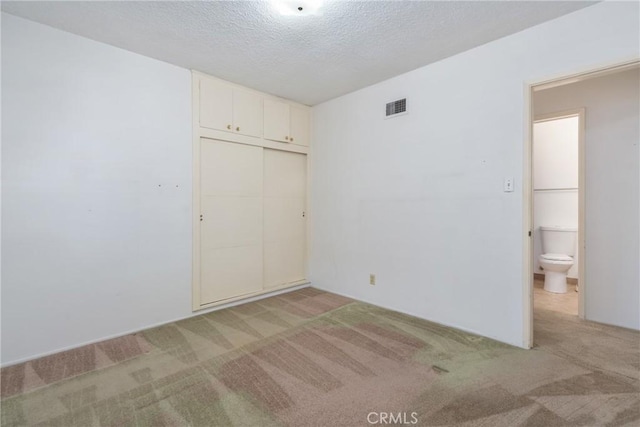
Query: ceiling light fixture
x=298 y=7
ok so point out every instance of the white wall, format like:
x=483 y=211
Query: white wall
x=555 y=181
x=612 y=237
x=96 y=197
x=418 y=199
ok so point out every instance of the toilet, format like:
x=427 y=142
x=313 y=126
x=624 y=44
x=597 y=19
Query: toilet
x=558 y=249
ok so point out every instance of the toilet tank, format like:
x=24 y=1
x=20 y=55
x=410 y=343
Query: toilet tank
x=558 y=240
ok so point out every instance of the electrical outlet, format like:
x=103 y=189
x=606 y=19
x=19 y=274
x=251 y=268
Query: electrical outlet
x=372 y=279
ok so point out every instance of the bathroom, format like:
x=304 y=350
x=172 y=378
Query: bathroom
x=556 y=195
x=585 y=182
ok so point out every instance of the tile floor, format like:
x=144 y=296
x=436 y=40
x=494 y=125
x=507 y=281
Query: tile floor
x=563 y=303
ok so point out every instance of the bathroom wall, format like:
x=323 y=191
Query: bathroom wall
x=555 y=180
x=612 y=135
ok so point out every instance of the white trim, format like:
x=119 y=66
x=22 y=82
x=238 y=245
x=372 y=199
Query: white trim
x=195 y=217
x=221 y=135
x=309 y=210
x=244 y=297
x=268 y=294
x=527 y=224
x=586 y=74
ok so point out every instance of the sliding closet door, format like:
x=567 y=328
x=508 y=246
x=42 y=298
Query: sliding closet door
x=285 y=177
x=231 y=230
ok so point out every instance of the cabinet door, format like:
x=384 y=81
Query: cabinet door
x=299 y=126
x=284 y=217
x=231 y=229
x=276 y=120
x=216 y=105
x=247 y=113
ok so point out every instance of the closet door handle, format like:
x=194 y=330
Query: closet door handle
x=229 y=127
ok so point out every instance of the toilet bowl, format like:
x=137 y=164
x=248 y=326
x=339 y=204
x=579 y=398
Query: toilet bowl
x=556 y=267
x=558 y=248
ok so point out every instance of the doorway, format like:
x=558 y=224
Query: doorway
x=558 y=211
x=618 y=150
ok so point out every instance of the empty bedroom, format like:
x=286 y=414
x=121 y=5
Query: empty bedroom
x=320 y=213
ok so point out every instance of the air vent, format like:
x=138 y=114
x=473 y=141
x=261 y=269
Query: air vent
x=397 y=107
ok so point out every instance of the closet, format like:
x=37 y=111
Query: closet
x=250 y=195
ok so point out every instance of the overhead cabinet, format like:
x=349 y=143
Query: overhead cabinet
x=286 y=123
x=226 y=108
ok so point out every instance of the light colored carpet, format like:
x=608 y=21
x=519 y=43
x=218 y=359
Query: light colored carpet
x=310 y=358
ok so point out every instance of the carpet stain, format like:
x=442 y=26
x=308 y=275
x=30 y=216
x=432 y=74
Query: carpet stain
x=439 y=370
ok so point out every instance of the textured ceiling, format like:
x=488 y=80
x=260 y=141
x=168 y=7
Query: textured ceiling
x=309 y=59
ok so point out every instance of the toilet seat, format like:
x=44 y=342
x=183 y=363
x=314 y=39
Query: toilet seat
x=556 y=257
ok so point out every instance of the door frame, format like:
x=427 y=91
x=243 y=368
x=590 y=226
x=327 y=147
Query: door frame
x=527 y=184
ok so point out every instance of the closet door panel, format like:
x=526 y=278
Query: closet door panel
x=232 y=221
x=285 y=174
x=231 y=230
x=285 y=242
x=284 y=263
x=229 y=169
x=284 y=217
x=230 y=272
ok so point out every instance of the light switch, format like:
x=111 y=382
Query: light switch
x=508 y=185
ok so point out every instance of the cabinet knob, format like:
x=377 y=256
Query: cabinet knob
x=286 y=138
x=229 y=127
x=238 y=128
x=291 y=139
